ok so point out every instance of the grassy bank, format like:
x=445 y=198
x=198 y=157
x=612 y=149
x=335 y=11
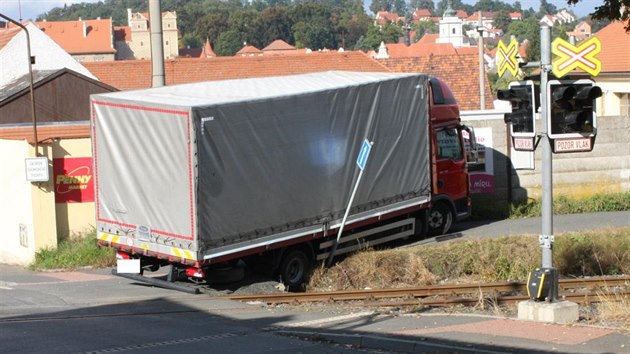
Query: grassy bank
x=564 y=205
x=589 y=253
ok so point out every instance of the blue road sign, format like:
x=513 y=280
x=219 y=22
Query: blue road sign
x=363 y=154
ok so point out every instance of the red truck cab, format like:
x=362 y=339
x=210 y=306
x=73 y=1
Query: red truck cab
x=450 y=185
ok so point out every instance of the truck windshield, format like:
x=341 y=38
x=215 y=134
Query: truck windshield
x=449 y=144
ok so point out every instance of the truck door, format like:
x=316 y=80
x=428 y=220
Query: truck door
x=452 y=176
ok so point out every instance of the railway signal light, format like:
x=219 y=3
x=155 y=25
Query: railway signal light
x=522 y=96
x=572 y=108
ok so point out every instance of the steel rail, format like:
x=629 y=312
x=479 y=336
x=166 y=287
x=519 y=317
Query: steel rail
x=484 y=290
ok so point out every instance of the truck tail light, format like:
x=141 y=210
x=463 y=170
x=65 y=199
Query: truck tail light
x=195 y=272
x=122 y=255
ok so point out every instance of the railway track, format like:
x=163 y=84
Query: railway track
x=587 y=290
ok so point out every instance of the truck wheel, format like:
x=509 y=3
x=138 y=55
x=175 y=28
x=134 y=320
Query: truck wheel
x=439 y=219
x=295 y=269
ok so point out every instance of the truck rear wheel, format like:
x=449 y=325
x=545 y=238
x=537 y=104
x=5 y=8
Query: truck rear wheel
x=295 y=269
x=439 y=219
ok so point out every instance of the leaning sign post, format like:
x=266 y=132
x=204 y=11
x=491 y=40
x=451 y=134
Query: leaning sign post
x=364 y=153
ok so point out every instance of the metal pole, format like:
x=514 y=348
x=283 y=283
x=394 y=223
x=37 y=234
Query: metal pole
x=157 y=46
x=546 y=238
x=343 y=221
x=30 y=75
x=482 y=87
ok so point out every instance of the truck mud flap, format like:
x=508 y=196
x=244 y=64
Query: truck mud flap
x=158 y=282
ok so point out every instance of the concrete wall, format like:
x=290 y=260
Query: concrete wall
x=27 y=214
x=30 y=220
x=604 y=170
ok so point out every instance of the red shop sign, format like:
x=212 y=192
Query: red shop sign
x=73 y=180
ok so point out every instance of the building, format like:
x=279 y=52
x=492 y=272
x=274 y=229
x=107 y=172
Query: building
x=452 y=29
x=581 y=31
x=47 y=53
x=614 y=78
x=84 y=40
x=43 y=212
x=134 y=40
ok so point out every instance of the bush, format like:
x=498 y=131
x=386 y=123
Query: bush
x=73 y=253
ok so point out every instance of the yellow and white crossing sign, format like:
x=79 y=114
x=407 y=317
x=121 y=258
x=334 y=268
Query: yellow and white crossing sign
x=506 y=57
x=571 y=57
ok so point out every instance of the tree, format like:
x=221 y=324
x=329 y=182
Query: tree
x=456 y=5
x=211 y=25
x=422 y=4
x=314 y=35
x=228 y=43
x=276 y=24
x=546 y=8
x=502 y=20
x=611 y=10
x=423 y=27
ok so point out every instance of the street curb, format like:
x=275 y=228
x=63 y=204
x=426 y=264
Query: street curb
x=382 y=342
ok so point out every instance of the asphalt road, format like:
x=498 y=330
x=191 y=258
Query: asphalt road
x=91 y=311
x=561 y=223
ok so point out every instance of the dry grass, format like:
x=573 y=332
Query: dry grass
x=589 y=253
x=614 y=308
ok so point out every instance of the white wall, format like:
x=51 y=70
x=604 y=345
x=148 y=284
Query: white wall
x=15 y=204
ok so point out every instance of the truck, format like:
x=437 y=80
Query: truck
x=199 y=176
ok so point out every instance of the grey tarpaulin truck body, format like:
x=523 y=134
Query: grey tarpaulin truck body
x=198 y=171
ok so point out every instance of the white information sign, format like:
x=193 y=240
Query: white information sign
x=37 y=169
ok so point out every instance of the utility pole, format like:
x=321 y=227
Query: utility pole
x=30 y=76
x=482 y=72
x=546 y=238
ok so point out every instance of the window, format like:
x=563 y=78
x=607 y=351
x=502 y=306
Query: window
x=454 y=31
x=624 y=104
x=449 y=144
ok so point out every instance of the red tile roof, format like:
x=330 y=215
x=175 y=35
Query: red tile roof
x=136 y=74
x=7 y=34
x=615 y=53
x=426 y=46
x=249 y=50
x=459 y=71
x=278 y=44
x=81 y=37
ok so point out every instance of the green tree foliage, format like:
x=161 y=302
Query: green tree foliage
x=546 y=8
x=212 y=25
x=389 y=33
x=423 y=27
x=456 y=5
x=422 y=4
x=611 y=10
x=502 y=20
x=228 y=43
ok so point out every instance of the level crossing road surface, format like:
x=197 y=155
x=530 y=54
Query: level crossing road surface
x=92 y=311
x=561 y=223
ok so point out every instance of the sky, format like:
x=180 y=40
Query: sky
x=30 y=9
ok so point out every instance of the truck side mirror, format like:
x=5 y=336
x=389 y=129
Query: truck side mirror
x=470 y=143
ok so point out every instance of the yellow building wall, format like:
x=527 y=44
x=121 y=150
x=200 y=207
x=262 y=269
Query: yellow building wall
x=73 y=218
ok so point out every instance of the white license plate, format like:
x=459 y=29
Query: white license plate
x=128 y=266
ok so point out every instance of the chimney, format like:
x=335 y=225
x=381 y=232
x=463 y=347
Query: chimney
x=129 y=17
x=406 y=37
x=84 y=29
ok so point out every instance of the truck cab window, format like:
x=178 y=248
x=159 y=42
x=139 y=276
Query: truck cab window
x=449 y=145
